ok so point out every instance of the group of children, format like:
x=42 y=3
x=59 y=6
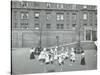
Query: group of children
x=49 y=56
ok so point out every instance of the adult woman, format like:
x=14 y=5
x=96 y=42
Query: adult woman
x=32 y=56
x=83 y=58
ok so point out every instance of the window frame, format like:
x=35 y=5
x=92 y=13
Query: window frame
x=60 y=16
x=36 y=26
x=60 y=26
x=24 y=25
x=48 y=26
x=48 y=16
x=24 y=14
x=85 y=16
x=91 y=33
x=36 y=15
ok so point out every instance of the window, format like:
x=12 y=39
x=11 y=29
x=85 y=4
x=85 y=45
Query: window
x=85 y=24
x=60 y=6
x=95 y=7
x=69 y=6
x=36 y=26
x=60 y=17
x=24 y=25
x=91 y=17
x=15 y=26
x=85 y=16
x=73 y=6
x=36 y=14
x=74 y=16
x=91 y=35
x=15 y=15
x=73 y=26
x=48 y=16
x=94 y=36
x=24 y=4
x=48 y=26
x=60 y=26
x=67 y=13
x=24 y=15
x=91 y=24
x=36 y=4
x=48 y=5
x=68 y=17
x=95 y=18
x=84 y=6
x=67 y=26
x=88 y=34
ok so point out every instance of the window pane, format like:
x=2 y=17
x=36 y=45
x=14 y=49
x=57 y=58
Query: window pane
x=84 y=6
x=60 y=6
x=62 y=17
x=36 y=4
x=85 y=24
x=73 y=6
x=58 y=17
x=74 y=16
x=24 y=15
x=36 y=26
x=62 y=26
x=36 y=15
x=48 y=26
x=24 y=4
x=48 y=16
x=73 y=25
x=57 y=26
x=88 y=34
x=15 y=15
x=15 y=26
x=24 y=25
x=94 y=35
x=85 y=16
x=48 y=5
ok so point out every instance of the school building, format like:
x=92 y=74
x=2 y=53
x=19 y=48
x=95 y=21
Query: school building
x=52 y=24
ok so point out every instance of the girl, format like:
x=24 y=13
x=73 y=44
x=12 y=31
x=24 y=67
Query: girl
x=72 y=56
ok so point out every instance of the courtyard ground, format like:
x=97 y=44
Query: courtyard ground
x=21 y=63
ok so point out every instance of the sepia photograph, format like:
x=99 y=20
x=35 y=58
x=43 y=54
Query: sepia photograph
x=51 y=37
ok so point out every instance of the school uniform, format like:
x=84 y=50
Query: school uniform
x=47 y=61
x=55 y=54
x=42 y=56
x=60 y=60
x=66 y=53
x=72 y=57
x=55 y=57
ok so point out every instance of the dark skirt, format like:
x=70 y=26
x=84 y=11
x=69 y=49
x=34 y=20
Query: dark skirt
x=32 y=55
x=83 y=61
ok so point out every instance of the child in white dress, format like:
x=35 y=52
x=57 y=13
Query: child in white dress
x=72 y=55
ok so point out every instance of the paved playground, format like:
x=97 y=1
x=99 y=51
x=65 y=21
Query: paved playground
x=21 y=63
